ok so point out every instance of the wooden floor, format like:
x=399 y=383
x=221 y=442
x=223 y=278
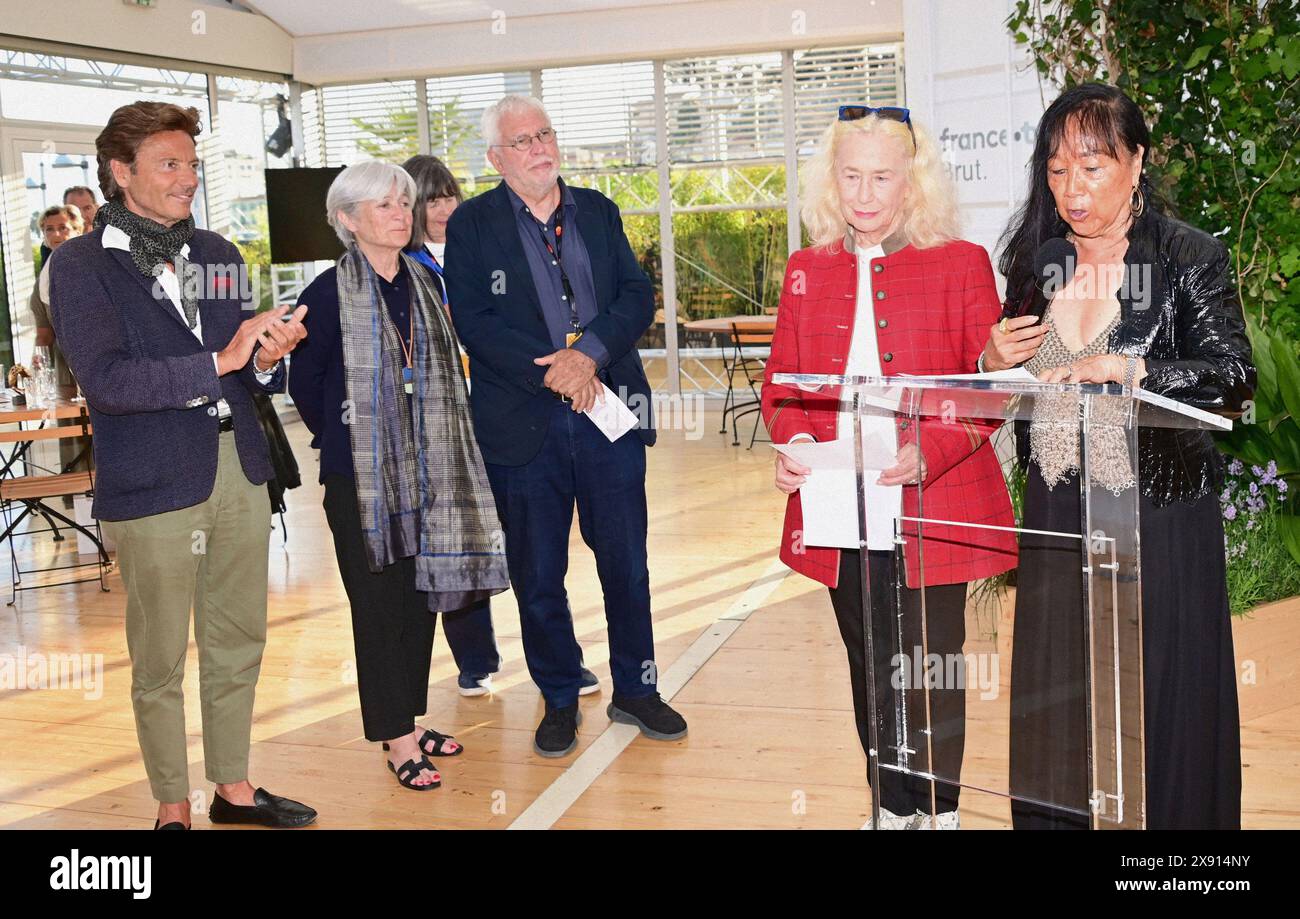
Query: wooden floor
x=771 y=741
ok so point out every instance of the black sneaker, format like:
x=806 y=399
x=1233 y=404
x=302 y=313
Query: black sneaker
x=650 y=713
x=557 y=735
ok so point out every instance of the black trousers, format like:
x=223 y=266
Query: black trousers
x=392 y=626
x=1191 y=720
x=946 y=633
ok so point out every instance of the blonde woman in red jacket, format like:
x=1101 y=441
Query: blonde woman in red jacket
x=887 y=288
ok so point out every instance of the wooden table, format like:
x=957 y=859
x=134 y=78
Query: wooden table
x=727 y=323
x=64 y=406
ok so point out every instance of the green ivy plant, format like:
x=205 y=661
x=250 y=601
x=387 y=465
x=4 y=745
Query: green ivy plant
x=1218 y=83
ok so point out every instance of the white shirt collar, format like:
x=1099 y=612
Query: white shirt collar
x=117 y=238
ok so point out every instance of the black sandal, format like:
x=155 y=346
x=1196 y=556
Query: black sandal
x=410 y=770
x=438 y=740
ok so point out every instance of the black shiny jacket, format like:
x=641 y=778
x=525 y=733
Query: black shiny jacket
x=1187 y=323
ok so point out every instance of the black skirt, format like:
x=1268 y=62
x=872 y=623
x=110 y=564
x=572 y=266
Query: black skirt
x=1192 y=727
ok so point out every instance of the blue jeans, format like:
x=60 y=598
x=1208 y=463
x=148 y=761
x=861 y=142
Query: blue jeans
x=472 y=640
x=577 y=464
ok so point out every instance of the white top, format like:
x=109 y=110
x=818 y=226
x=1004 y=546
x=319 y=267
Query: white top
x=436 y=250
x=884 y=502
x=43 y=283
x=116 y=238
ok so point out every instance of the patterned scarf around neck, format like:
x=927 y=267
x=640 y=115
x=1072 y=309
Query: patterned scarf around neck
x=421 y=487
x=153 y=246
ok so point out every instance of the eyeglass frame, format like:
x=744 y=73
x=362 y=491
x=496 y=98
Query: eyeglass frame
x=514 y=145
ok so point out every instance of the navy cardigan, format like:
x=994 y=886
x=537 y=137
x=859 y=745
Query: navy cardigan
x=150 y=385
x=317 y=378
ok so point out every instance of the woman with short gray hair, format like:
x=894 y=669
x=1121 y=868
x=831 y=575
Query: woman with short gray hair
x=382 y=390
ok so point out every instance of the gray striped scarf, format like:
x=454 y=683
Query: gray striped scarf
x=425 y=496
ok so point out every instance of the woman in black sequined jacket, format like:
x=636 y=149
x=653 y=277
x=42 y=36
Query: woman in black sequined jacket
x=1187 y=325
x=1173 y=327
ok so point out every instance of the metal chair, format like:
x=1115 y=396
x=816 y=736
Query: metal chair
x=30 y=491
x=750 y=350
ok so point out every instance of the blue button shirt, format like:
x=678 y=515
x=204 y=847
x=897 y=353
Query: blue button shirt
x=546 y=273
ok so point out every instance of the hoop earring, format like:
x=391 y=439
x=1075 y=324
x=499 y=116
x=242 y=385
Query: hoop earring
x=1141 y=204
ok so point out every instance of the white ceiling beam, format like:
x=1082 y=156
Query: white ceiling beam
x=592 y=37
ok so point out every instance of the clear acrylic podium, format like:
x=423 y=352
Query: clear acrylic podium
x=900 y=733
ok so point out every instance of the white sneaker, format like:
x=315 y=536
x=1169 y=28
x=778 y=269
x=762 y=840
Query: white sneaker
x=948 y=820
x=891 y=821
x=479 y=687
x=590 y=683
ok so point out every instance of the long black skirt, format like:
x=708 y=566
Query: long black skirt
x=1193 y=737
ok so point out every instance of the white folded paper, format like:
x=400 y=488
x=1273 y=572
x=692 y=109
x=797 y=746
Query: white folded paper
x=829 y=497
x=612 y=417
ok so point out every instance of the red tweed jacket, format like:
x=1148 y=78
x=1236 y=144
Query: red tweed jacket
x=933 y=309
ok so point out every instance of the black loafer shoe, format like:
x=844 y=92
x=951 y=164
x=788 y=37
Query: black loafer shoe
x=267 y=810
x=557 y=735
x=650 y=713
x=173 y=825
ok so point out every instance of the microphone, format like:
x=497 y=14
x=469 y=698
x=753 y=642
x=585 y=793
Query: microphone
x=1054 y=265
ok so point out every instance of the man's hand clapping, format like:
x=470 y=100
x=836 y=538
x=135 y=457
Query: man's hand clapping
x=275 y=336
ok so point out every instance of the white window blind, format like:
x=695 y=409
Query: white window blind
x=826 y=78
x=456 y=107
x=724 y=109
x=604 y=114
x=370 y=121
x=313 y=138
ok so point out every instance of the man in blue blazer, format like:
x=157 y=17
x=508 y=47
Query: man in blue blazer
x=549 y=301
x=155 y=321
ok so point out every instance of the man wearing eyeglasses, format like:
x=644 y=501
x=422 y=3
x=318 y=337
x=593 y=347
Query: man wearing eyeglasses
x=549 y=301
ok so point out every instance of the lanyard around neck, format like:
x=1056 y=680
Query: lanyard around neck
x=555 y=252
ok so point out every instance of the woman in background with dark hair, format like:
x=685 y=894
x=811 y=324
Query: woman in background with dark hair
x=437 y=194
x=1182 y=336
x=469 y=631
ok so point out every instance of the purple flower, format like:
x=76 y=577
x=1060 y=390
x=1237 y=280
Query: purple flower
x=1281 y=486
x=1254 y=488
x=1256 y=471
x=1226 y=496
x=1234 y=467
x=1230 y=512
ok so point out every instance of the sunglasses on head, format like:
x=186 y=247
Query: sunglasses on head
x=887 y=112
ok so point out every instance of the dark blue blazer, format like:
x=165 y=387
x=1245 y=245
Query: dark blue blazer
x=498 y=316
x=151 y=387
